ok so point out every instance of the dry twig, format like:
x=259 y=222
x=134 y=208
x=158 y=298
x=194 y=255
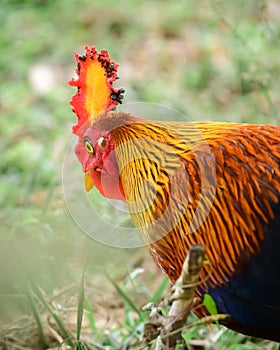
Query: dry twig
x=167 y=329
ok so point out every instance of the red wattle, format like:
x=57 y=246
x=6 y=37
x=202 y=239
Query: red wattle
x=108 y=186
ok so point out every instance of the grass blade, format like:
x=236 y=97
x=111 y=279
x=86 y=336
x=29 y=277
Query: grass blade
x=90 y=315
x=81 y=346
x=161 y=288
x=67 y=335
x=38 y=321
x=125 y=297
x=81 y=303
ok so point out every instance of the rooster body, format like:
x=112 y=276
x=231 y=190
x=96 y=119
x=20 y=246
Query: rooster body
x=209 y=183
x=215 y=184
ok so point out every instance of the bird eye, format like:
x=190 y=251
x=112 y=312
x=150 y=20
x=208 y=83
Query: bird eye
x=88 y=146
x=101 y=142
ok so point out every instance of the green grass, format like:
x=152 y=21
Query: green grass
x=210 y=60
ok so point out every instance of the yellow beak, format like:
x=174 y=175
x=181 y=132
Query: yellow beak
x=88 y=181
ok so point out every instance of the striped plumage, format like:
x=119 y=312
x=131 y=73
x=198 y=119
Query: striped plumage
x=216 y=184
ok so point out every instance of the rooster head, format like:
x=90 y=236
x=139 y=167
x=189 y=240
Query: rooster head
x=95 y=151
x=96 y=73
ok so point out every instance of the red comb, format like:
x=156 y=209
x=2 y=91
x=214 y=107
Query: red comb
x=96 y=74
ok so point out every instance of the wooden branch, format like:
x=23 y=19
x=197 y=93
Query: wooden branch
x=167 y=329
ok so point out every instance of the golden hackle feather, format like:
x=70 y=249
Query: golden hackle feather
x=206 y=183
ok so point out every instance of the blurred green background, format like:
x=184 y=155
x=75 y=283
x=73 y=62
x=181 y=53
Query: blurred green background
x=210 y=60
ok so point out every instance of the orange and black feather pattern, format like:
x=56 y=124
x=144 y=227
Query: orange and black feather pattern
x=215 y=184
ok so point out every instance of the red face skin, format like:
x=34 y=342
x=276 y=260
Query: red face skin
x=101 y=163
